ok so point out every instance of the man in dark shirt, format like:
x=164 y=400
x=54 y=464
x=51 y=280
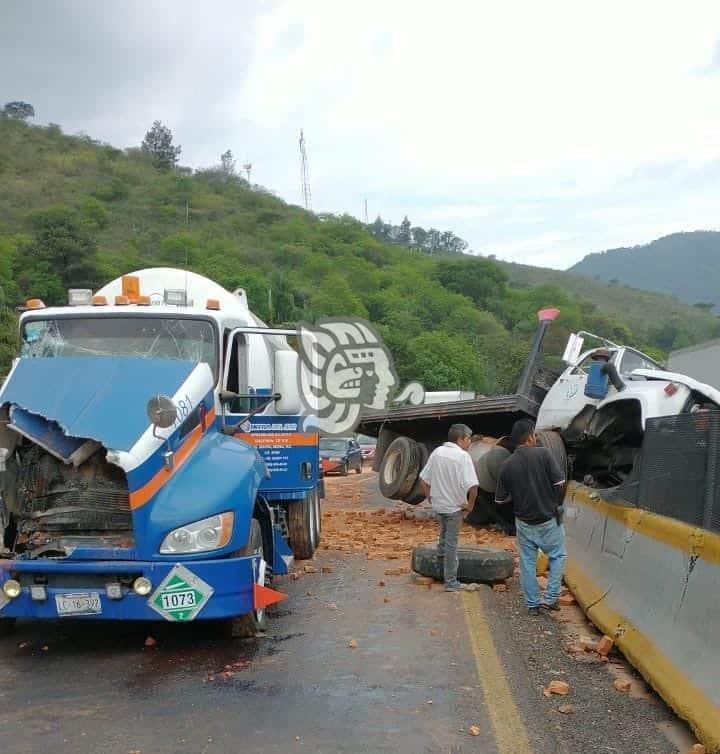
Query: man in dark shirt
x=531 y=479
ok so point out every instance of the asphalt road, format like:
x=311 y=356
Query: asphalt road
x=427 y=666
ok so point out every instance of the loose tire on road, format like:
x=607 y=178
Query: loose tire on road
x=474 y=563
x=554 y=443
x=303 y=526
x=247 y=626
x=399 y=468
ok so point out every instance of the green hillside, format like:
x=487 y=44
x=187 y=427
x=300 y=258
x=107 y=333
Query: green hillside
x=656 y=318
x=682 y=264
x=74 y=213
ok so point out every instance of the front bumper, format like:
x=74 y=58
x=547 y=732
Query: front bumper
x=230 y=582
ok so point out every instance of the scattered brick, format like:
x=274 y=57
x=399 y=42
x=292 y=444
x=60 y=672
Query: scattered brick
x=566 y=600
x=398 y=571
x=386 y=600
x=588 y=644
x=500 y=588
x=558 y=687
x=295 y=576
x=434 y=632
x=327 y=569
x=353 y=644
x=381 y=583
x=697 y=749
x=605 y=645
x=309 y=569
x=622 y=684
x=474 y=730
x=424 y=580
x=566 y=709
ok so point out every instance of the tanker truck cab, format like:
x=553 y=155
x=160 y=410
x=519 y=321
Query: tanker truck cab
x=155 y=459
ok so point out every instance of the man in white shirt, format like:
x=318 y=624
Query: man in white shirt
x=450 y=483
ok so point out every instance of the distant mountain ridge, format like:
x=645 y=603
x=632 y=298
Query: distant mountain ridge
x=686 y=265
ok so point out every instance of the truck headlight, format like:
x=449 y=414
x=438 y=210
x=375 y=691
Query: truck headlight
x=12 y=588
x=201 y=536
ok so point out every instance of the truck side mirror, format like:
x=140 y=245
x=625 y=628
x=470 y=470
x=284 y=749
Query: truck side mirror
x=286 y=383
x=573 y=349
x=161 y=411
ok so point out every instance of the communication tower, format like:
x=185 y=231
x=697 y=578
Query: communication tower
x=305 y=174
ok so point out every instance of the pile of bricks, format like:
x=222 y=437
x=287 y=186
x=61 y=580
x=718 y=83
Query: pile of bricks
x=392 y=534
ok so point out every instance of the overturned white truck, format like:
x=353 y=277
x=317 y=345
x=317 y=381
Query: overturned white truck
x=592 y=416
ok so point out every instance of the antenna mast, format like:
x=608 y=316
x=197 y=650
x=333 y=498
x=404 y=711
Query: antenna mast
x=366 y=214
x=304 y=174
x=247 y=167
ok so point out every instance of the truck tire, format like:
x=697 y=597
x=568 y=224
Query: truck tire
x=7 y=626
x=247 y=626
x=302 y=526
x=474 y=563
x=417 y=494
x=399 y=468
x=554 y=443
x=318 y=516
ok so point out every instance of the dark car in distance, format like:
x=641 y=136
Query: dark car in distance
x=339 y=455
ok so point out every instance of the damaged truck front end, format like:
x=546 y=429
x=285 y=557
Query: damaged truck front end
x=106 y=515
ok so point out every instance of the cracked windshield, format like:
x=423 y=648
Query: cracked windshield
x=143 y=337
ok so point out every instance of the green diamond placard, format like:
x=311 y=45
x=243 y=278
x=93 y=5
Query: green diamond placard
x=181 y=595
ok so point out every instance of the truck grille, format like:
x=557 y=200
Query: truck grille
x=58 y=498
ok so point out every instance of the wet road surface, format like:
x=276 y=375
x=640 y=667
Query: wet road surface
x=427 y=666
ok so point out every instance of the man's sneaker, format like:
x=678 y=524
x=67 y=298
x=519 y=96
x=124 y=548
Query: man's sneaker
x=552 y=608
x=534 y=610
x=456 y=587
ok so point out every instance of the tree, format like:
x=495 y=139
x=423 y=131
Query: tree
x=479 y=279
x=18 y=110
x=227 y=163
x=158 y=144
x=61 y=255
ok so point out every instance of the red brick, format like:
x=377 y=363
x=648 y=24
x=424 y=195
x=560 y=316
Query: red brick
x=605 y=645
x=558 y=687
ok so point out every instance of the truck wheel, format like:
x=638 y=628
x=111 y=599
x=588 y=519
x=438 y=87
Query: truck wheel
x=399 y=468
x=302 y=525
x=7 y=626
x=317 y=516
x=247 y=626
x=417 y=494
x=474 y=563
x=554 y=443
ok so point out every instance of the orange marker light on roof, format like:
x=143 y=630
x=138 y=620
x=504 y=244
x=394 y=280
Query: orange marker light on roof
x=121 y=301
x=98 y=301
x=131 y=288
x=143 y=301
x=34 y=303
x=213 y=304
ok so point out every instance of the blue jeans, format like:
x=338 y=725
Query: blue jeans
x=450 y=524
x=550 y=538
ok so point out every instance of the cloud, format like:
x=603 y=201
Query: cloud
x=539 y=132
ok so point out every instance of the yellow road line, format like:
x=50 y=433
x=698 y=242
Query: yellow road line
x=508 y=727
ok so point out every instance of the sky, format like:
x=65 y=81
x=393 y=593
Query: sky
x=539 y=132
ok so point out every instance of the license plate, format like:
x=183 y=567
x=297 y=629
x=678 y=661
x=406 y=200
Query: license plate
x=87 y=603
